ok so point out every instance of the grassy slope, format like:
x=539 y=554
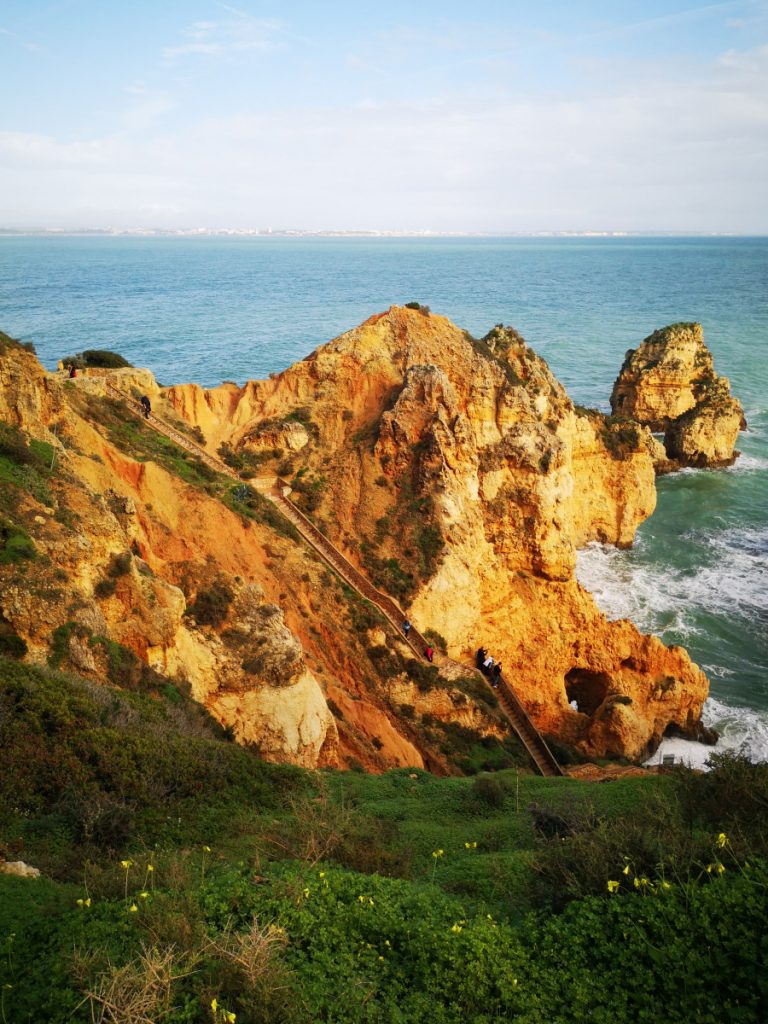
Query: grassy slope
x=93 y=777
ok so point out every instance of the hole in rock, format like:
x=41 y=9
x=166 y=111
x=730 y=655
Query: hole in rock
x=588 y=689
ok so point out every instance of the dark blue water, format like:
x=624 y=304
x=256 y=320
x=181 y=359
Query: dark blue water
x=213 y=309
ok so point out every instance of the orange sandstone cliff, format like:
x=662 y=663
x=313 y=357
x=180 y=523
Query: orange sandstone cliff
x=455 y=472
x=458 y=475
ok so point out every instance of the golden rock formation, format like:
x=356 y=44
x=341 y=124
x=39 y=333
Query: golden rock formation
x=669 y=384
x=458 y=474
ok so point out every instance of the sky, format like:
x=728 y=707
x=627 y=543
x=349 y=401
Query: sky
x=491 y=116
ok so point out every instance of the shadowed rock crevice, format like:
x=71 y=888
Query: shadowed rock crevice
x=588 y=689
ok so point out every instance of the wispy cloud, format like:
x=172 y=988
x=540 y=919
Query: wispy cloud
x=239 y=33
x=20 y=40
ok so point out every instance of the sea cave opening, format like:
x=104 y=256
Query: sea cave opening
x=588 y=689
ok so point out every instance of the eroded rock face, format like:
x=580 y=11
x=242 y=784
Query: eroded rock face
x=706 y=435
x=455 y=471
x=463 y=466
x=669 y=384
x=109 y=555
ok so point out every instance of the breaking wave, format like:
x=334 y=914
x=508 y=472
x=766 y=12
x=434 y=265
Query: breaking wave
x=741 y=729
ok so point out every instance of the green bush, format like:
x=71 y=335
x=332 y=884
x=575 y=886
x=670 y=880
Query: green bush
x=96 y=357
x=11 y=644
x=15 y=544
x=211 y=605
x=490 y=790
x=105 y=588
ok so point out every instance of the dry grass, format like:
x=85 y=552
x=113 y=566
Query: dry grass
x=139 y=992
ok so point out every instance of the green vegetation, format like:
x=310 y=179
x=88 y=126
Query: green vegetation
x=25 y=464
x=211 y=604
x=620 y=436
x=419 y=543
x=15 y=544
x=96 y=357
x=7 y=342
x=245 y=462
x=182 y=870
x=11 y=644
x=139 y=440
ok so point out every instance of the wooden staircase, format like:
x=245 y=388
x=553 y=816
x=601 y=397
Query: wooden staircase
x=277 y=490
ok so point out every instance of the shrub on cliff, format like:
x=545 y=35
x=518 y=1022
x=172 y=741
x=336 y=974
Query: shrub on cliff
x=211 y=605
x=15 y=544
x=97 y=357
x=7 y=342
x=91 y=764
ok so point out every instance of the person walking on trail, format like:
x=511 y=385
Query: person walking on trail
x=146 y=406
x=480 y=657
x=488 y=665
x=429 y=653
x=496 y=674
x=72 y=371
x=406 y=627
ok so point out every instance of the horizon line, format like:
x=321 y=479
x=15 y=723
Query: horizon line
x=199 y=232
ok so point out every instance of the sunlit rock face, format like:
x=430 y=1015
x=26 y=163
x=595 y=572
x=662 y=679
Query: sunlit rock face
x=454 y=471
x=669 y=384
x=421 y=435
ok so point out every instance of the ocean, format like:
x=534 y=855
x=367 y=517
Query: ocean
x=212 y=309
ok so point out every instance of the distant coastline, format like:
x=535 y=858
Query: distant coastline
x=113 y=232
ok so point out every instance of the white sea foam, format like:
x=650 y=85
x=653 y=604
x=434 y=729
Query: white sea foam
x=742 y=729
x=658 y=597
x=746 y=464
x=648 y=595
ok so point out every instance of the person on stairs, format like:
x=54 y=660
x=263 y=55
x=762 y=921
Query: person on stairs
x=145 y=406
x=496 y=675
x=429 y=653
x=406 y=627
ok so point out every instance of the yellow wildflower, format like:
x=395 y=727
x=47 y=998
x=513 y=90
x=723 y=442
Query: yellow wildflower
x=231 y=1017
x=207 y=849
x=637 y=882
x=133 y=908
x=81 y=903
x=150 y=867
x=306 y=894
x=437 y=853
x=456 y=929
x=88 y=902
x=322 y=874
x=625 y=870
x=720 y=868
x=665 y=885
x=470 y=846
x=214 y=1005
x=143 y=895
x=722 y=840
x=613 y=886
x=361 y=899
x=126 y=864
x=710 y=868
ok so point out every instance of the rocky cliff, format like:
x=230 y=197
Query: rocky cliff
x=459 y=476
x=454 y=471
x=669 y=384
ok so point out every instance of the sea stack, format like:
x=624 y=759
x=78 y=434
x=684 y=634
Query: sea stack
x=669 y=384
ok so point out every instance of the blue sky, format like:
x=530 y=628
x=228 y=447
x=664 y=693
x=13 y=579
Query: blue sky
x=491 y=116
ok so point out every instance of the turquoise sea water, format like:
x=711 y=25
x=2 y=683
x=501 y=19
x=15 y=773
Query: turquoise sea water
x=208 y=309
